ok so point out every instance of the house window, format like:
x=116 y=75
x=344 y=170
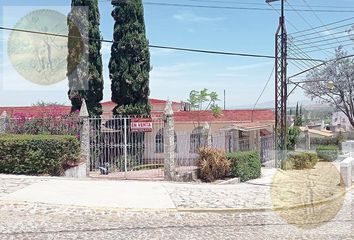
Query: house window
x=196 y=139
x=159 y=142
x=244 y=141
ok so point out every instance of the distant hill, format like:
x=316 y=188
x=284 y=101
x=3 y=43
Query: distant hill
x=306 y=104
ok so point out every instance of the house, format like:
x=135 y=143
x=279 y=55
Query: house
x=234 y=130
x=315 y=133
x=341 y=122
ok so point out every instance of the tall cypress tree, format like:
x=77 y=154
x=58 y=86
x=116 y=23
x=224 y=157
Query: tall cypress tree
x=298 y=116
x=129 y=65
x=85 y=82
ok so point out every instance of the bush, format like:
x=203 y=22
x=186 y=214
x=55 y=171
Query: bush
x=37 y=154
x=327 y=153
x=300 y=161
x=212 y=164
x=245 y=165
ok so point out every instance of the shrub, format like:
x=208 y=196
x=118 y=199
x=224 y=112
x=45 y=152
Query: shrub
x=245 y=165
x=37 y=154
x=327 y=153
x=317 y=141
x=212 y=164
x=300 y=161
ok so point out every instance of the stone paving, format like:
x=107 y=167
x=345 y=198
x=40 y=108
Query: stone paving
x=38 y=221
x=244 y=196
x=24 y=220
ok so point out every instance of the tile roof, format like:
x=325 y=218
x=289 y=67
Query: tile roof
x=152 y=101
x=236 y=116
x=230 y=116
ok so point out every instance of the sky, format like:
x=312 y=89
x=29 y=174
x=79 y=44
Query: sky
x=174 y=73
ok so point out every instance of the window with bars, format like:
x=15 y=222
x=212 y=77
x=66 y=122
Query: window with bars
x=159 y=142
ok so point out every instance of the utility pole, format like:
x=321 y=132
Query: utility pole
x=281 y=90
x=224 y=99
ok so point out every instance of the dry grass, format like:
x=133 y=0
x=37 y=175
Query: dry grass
x=306 y=189
x=212 y=164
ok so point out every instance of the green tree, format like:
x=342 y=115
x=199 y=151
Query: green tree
x=298 y=116
x=85 y=82
x=203 y=100
x=293 y=134
x=129 y=65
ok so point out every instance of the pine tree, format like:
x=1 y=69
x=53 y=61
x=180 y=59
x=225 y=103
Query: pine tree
x=85 y=72
x=129 y=65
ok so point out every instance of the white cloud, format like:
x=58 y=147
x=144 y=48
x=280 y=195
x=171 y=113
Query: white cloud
x=335 y=34
x=172 y=71
x=231 y=75
x=191 y=17
x=249 y=66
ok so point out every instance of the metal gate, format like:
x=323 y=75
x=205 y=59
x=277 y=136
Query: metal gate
x=267 y=148
x=118 y=150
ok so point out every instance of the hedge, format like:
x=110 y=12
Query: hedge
x=327 y=153
x=300 y=161
x=245 y=165
x=37 y=154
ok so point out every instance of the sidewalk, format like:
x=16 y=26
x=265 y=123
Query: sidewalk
x=139 y=195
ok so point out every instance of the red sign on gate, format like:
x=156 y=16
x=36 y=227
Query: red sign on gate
x=141 y=125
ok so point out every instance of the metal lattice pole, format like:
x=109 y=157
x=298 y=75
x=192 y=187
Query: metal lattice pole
x=280 y=89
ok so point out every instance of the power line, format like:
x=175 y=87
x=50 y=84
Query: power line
x=324 y=34
x=293 y=50
x=296 y=53
x=157 y=46
x=250 y=3
x=326 y=25
x=297 y=12
x=314 y=13
x=329 y=43
x=325 y=40
x=322 y=64
x=263 y=90
x=262 y=4
x=321 y=49
x=276 y=10
x=241 y=8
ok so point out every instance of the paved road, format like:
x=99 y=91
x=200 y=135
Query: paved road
x=38 y=221
x=183 y=218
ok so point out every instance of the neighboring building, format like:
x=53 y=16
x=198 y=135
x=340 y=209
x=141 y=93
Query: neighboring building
x=234 y=130
x=316 y=133
x=341 y=122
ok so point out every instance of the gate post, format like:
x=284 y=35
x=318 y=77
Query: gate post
x=206 y=135
x=3 y=122
x=169 y=143
x=85 y=137
x=307 y=140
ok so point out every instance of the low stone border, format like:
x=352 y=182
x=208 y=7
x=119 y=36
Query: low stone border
x=346 y=171
x=229 y=181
